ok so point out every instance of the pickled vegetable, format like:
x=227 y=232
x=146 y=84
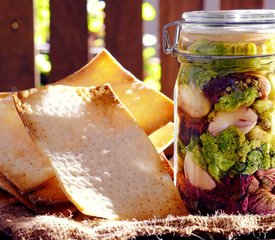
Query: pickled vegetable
x=226 y=150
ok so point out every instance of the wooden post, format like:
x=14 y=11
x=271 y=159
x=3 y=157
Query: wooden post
x=123 y=23
x=171 y=11
x=16 y=45
x=241 y=4
x=68 y=37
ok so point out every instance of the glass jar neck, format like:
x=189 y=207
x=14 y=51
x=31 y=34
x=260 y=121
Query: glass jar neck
x=231 y=33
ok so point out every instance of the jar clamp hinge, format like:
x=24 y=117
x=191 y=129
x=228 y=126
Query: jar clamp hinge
x=169 y=48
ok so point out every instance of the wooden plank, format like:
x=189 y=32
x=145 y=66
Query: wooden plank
x=241 y=4
x=123 y=23
x=68 y=38
x=16 y=45
x=171 y=11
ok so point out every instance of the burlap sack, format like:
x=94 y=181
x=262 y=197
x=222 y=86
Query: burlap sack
x=19 y=223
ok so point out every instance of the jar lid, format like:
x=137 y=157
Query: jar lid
x=256 y=21
x=255 y=16
x=223 y=33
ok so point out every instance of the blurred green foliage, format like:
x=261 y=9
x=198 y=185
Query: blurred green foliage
x=148 y=12
x=152 y=71
x=42 y=35
x=151 y=63
x=43 y=63
x=96 y=26
x=42 y=21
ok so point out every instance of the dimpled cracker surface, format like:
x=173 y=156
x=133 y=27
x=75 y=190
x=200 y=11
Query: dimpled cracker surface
x=150 y=108
x=104 y=161
x=20 y=158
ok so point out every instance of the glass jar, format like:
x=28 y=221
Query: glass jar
x=224 y=110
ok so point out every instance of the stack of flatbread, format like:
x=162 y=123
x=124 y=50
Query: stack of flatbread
x=91 y=142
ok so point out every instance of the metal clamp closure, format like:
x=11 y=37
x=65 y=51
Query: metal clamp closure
x=169 y=48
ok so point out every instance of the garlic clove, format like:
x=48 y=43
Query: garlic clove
x=197 y=176
x=192 y=101
x=243 y=118
x=265 y=86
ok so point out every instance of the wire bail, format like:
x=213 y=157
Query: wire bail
x=169 y=48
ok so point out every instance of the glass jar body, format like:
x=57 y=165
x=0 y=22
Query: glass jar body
x=224 y=134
